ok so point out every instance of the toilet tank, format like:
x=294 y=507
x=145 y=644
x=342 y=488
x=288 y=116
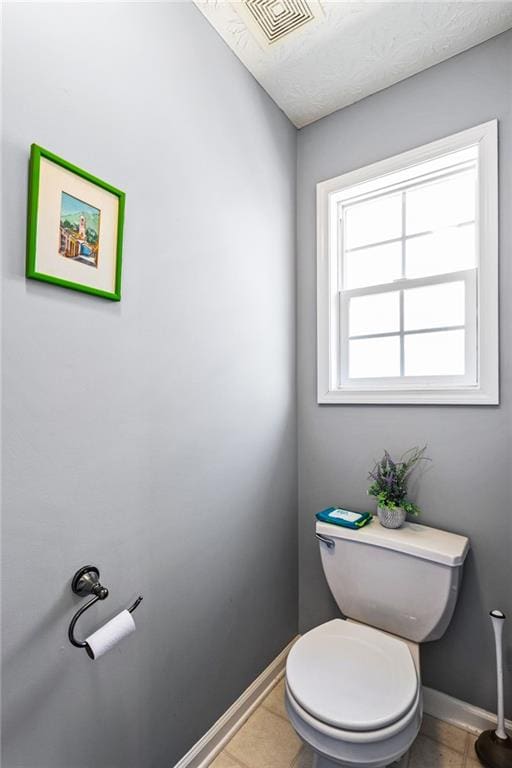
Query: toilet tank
x=404 y=581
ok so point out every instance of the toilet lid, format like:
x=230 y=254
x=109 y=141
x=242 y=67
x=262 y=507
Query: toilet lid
x=352 y=676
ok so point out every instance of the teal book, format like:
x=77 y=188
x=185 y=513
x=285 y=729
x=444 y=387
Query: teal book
x=339 y=516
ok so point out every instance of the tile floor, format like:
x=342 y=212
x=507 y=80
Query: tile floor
x=267 y=740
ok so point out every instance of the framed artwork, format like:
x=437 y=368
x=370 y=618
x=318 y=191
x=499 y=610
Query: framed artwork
x=75 y=227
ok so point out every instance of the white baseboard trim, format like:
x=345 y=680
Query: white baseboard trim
x=208 y=747
x=459 y=713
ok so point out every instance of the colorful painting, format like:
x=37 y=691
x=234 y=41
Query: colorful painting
x=79 y=230
x=75 y=227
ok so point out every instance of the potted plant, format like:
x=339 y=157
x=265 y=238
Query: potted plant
x=389 y=486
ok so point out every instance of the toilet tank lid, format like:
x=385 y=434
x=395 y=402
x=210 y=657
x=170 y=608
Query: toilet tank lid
x=411 y=539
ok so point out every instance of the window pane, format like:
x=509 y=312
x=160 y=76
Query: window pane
x=448 y=250
x=374 y=221
x=371 y=358
x=377 y=313
x=434 y=306
x=373 y=266
x=435 y=354
x=441 y=203
x=411 y=172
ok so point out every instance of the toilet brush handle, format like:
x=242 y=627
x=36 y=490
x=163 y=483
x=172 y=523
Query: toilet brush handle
x=498 y=619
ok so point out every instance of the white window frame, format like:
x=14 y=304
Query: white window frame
x=331 y=307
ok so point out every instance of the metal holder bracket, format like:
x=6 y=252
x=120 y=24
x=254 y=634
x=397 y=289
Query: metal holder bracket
x=86 y=581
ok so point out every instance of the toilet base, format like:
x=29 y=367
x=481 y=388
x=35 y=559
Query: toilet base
x=319 y=761
x=332 y=751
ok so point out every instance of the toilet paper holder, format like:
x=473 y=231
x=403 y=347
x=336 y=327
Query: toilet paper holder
x=86 y=581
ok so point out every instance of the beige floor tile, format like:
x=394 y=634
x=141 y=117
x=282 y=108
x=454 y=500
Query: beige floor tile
x=427 y=753
x=265 y=741
x=275 y=700
x=444 y=733
x=471 y=757
x=224 y=760
x=402 y=763
x=304 y=759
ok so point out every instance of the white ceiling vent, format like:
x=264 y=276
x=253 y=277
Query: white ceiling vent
x=271 y=21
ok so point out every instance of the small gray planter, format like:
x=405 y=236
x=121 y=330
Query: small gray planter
x=391 y=518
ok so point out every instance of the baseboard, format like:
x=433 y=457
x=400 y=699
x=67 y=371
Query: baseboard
x=459 y=713
x=214 y=741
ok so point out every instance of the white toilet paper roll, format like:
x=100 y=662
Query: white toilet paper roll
x=109 y=634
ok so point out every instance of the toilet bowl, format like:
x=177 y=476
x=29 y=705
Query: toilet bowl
x=353 y=694
x=353 y=689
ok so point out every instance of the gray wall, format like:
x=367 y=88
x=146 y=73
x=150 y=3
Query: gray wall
x=155 y=437
x=468 y=488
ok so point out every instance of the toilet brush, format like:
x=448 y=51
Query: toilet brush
x=494 y=748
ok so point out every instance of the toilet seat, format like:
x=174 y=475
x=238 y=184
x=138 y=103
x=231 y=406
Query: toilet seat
x=348 y=678
x=355 y=737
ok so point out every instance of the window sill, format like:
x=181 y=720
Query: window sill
x=408 y=397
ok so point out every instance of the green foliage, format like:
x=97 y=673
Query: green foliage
x=92 y=236
x=390 y=480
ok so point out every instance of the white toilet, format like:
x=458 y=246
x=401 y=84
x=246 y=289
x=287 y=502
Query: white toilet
x=353 y=689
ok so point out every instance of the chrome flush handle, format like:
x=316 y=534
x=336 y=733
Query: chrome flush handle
x=325 y=540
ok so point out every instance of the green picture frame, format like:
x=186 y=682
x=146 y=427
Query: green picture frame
x=75 y=227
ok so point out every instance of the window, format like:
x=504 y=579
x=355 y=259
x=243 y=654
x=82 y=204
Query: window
x=407 y=277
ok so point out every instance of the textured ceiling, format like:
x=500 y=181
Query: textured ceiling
x=356 y=49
